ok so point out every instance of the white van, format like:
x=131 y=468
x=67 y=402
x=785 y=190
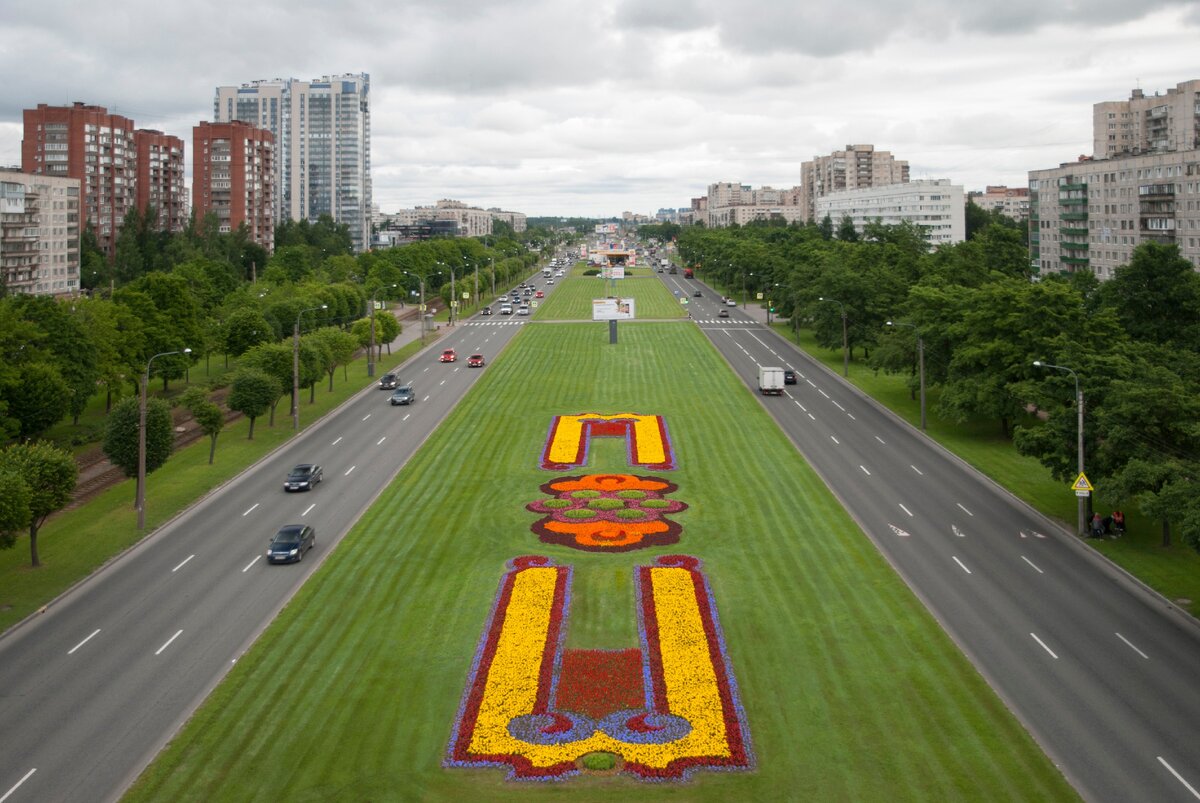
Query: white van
x=506 y=309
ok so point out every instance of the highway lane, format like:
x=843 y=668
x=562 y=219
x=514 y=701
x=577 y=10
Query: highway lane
x=1088 y=659
x=92 y=689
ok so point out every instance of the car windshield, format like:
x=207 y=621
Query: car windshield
x=286 y=537
x=301 y=471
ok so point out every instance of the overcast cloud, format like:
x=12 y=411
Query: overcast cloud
x=594 y=108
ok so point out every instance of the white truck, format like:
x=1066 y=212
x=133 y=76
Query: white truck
x=770 y=380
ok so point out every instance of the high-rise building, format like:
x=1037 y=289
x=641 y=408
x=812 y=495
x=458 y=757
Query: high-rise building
x=937 y=206
x=857 y=167
x=1148 y=123
x=233 y=173
x=97 y=148
x=160 y=184
x=322 y=132
x=39 y=233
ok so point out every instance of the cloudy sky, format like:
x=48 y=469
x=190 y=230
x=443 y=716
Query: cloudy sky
x=566 y=107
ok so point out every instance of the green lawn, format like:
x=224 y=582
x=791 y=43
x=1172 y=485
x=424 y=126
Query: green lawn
x=851 y=690
x=1172 y=571
x=74 y=544
x=572 y=298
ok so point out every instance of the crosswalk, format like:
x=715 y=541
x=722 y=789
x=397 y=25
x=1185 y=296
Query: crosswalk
x=493 y=323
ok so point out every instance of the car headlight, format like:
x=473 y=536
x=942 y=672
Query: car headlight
x=294 y=551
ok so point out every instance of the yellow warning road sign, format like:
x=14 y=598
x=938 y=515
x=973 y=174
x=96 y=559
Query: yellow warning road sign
x=1081 y=484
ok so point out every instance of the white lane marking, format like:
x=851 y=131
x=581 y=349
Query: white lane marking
x=881 y=440
x=97 y=630
x=809 y=381
x=406 y=415
x=801 y=406
x=365 y=417
x=906 y=510
x=456 y=368
x=961 y=565
x=168 y=644
x=1044 y=647
x=1034 y=533
x=32 y=771
x=1031 y=563
x=813 y=417
x=1161 y=760
x=308 y=509
x=441 y=383
x=898 y=531
x=250 y=565
x=185 y=560
x=381 y=440
x=957 y=531
x=840 y=407
x=251 y=510
x=1122 y=638
x=425 y=399
x=852 y=418
x=823 y=393
x=347 y=474
x=335 y=443
x=864 y=468
x=964 y=510
x=914 y=468
x=835 y=440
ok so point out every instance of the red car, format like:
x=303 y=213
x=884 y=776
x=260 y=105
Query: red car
x=475 y=361
x=449 y=355
x=539 y=294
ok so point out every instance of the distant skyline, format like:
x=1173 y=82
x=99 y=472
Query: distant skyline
x=559 y=107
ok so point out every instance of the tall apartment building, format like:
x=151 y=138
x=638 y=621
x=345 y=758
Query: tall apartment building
x=88 y=144
x=39 y=233
x=322 y=132
x=935 y=205
x=856 y=167
x=233 y=177
x=160 y=178
x=730 y=203
x=729 y=193
x=1011 y=202
x=1148 y=124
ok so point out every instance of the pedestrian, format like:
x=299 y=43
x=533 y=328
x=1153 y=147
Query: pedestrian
x=1097 y=526
x=1118 y=522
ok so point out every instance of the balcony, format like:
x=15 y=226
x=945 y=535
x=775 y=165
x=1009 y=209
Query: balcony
x=1073 y=232
x=1069 y=246
x=1072 y=201
x=1073 y=260
x=1073 y=215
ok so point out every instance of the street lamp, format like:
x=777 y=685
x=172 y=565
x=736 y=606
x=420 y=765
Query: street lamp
x=920 y=363
x=744 y=289
x=420 y=278
x=771 y=301
x=296 y=366
x=1083 y=500
x=371 y=347
x=140 y=504
x=845 y=337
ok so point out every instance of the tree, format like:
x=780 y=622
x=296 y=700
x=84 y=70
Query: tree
x=38 y=398
x=207 y=414
x=826 y=227
x=846 y=231
x=339 y=348
x=49 y=474
x=275 y=360
x=252 y=393
x=121 y=434
x=14 y=506
x=245 y=329
x=1157 y=296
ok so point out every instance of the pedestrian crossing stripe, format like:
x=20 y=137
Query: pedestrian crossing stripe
x=1081 y=483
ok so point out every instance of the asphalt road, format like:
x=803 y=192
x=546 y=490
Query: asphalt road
x=1100 y=670
x=92 y=689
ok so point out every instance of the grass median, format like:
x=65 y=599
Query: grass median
x=851 y=689
x=572 y=298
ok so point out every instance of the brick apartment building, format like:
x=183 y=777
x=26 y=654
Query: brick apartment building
x=233 y=177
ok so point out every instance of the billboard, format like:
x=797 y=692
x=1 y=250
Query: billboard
x=612 y=272
x=612 y=309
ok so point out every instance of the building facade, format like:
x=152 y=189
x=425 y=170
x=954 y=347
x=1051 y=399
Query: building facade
x=515 y=219
x=856 y=167
x=90 y=145
x=233 y=178
x=322 y=132
x=160 y=187
x=1148 y=123
x=1011 y=202
x=935 y=205
x=39 y=233
x=1090 y=215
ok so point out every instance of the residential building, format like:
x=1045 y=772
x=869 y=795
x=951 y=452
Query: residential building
x=322 y=131
x=1090 y=215
x=935 y=205
x=88 y=144
x=39 y=233
x=730 y=203
x=514 y=219
x=233 y=173
x=856 y=167
x=160 y=184
x=1011 y=202
x=722 y=217
x=1148 y=123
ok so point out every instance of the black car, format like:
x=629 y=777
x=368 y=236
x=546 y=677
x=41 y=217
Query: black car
x=404 y=395
x=697 y=294
x=388 y=381
x=303 y=477
x=789 y=376
x=485 y=311
x=290 y=543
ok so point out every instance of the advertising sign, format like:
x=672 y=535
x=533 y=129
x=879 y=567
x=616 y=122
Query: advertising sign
x=612 y=309
x=612 y=272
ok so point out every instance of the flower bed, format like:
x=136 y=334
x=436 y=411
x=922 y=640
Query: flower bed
x=607 y=512
x=648 y=444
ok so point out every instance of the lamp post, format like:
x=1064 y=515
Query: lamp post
x=1083 y=500
x=771 y=301
x=296 y=366
x=420 y=278
x=141 y=476
x=476 y=281
x=371 y=347
x=845 y=337
x=493 y=275
x=453 y=294
x=920 y=363
x=744 y=289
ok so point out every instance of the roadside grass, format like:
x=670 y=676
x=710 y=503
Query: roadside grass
x=572 y=298
x=1172 y=571
x=851 y=689
x=75 y=543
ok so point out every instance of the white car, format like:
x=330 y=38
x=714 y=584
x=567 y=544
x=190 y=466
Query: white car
x=560 y=274
x=729 y=302
x=523 y=309
x=549 y=281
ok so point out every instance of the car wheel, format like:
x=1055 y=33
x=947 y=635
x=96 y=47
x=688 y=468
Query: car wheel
x=300 y=556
